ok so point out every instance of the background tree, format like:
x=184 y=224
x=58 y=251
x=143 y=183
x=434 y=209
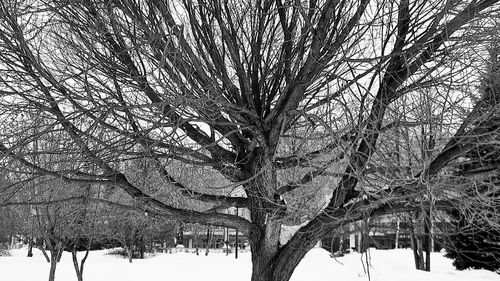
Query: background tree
x=274 y=98
x=476 y=243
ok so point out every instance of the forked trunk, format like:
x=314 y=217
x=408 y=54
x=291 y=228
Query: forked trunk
x=281 y=265
x=79 y=267
x=262 y=265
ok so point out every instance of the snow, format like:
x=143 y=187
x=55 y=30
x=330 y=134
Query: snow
x=385 y=265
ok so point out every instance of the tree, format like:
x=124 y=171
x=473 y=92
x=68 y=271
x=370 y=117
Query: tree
x=54 y=223
x=476 y=237
x=274 y=99
x=476 y=243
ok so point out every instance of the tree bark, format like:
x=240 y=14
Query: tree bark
x=54 y=254
x=196 y=241
x=129 y=253
x=79 y=267
x=262 y=190
x=236 y=243
x=414 y=247
x=421 y=262
x=396 y=241
x=30 y=247
x=60 y=249
x=44 y=253
x=209 y=240
x=141 y=247
x=428 y=242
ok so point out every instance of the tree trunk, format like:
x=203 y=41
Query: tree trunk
x=226 y=240
x=79 y=267
x=414 y=247
x=54 y=254
x=281 y=265
x=209 y=240
x=60 y=249
x=129 y=253
x=180 y=235
x=196 y=242
x=44 y=253
x=262 y=269
x=428 y=243
x=396 y=242
x=418 y=235
x=421 y=261
x=79 y=274
x=141 y=247
x=236 y=244
x=30 y=247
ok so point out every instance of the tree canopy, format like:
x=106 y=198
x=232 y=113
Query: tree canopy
x=353 y=105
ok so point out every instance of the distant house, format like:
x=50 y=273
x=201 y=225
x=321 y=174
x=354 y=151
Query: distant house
x=385 y=232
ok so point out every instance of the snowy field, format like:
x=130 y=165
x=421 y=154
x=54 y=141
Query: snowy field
x=385 y=265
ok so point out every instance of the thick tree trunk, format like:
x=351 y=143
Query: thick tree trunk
x=262 y=266
x=283 y=263
x=261 y=191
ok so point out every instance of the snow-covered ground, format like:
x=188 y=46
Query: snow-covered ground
x=384 y=265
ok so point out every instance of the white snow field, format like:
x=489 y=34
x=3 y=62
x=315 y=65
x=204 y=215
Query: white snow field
x=385 y=265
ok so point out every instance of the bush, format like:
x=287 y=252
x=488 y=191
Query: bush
x=478 y=249
x=122 y=252
x=3 y=251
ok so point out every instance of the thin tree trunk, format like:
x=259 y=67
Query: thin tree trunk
x=236 y=239
x=396 y=242
x=414 y=247
x=417 y=241
x=428 y=243
x=196 y=242
x=421 y=265
x=141 y=247
x=60 y=249
x=226 y=240
x=129 y=254
x=79 y=274
x=79 y=267
x=236 y=245
x=209 y=240
x=44 y=253
x=30 y=247
x=54 y=254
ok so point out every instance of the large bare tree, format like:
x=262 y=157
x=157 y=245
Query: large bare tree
x=258 y=102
